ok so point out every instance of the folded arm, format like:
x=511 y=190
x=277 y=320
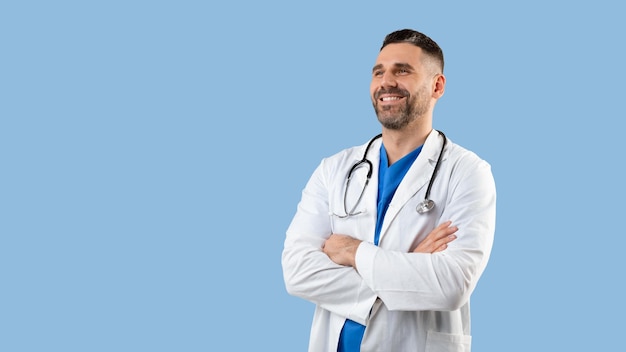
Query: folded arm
x=442 y=280
x=308 y=272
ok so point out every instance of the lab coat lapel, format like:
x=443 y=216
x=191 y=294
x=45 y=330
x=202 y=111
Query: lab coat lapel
x=415 y=179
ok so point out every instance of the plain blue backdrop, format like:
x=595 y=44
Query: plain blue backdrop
x=152 y=154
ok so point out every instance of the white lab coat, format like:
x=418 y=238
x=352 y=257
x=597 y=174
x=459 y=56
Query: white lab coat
x=407 y=301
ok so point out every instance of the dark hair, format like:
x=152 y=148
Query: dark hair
x=429 y=46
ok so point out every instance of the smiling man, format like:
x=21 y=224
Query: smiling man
x=391 y=237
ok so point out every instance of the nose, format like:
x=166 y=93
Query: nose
x=388 y=79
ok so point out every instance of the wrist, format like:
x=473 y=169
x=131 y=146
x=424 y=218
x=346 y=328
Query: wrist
x=354 y=248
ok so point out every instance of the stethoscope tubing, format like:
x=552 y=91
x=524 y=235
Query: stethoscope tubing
x=432 y=177
x=424 y=206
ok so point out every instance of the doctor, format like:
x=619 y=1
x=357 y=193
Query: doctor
x=391 y=237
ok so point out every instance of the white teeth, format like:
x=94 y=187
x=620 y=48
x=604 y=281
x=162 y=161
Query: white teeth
x=390 y=98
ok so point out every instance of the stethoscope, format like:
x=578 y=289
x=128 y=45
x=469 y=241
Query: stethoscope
x=423 y=207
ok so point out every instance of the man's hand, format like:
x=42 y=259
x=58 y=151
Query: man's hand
x=438 y=239
x=341 y=249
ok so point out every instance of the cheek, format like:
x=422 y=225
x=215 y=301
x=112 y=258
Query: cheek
x=373 y=88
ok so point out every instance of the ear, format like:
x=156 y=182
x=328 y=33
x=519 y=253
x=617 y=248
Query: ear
x=439 y=85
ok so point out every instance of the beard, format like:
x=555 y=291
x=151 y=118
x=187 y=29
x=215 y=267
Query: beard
x=400 y=116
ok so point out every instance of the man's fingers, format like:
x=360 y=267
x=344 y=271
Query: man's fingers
x=441 y=248
x=443 y=243
x=438 y=239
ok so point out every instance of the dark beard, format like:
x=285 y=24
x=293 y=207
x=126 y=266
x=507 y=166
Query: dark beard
x=413 y=108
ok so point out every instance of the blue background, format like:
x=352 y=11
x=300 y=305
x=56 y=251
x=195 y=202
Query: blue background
x=153 y=152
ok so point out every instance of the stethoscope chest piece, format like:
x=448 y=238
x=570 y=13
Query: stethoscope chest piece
x=425 y=206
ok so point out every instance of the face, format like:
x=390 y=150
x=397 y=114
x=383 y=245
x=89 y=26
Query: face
x=401 y=88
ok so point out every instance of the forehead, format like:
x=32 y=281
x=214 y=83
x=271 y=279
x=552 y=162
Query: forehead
x=400 y=53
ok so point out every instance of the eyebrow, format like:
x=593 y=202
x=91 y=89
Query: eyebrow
x=396 y=65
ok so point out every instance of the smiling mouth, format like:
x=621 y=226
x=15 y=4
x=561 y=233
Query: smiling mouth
x=391 y=95
x=386 y=99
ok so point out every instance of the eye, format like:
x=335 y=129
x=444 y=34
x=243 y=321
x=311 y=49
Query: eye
x=377 y=73
x=402 y=71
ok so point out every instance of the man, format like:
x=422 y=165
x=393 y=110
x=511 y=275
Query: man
x=390 y=238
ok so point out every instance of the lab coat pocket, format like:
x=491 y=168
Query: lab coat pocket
x=442 y=342
x=358 y=226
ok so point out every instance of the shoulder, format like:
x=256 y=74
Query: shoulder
x=351 y=154
x=337 y=166
x=462 y=160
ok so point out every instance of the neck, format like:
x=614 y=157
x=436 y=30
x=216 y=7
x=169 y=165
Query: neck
x=399 y=143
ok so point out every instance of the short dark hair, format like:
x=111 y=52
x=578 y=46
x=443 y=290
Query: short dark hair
x=429 y=46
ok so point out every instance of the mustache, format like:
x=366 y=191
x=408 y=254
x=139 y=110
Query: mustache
x=393 y=90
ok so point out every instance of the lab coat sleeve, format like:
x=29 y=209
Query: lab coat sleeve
x=308 y=272
x=443 y=280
